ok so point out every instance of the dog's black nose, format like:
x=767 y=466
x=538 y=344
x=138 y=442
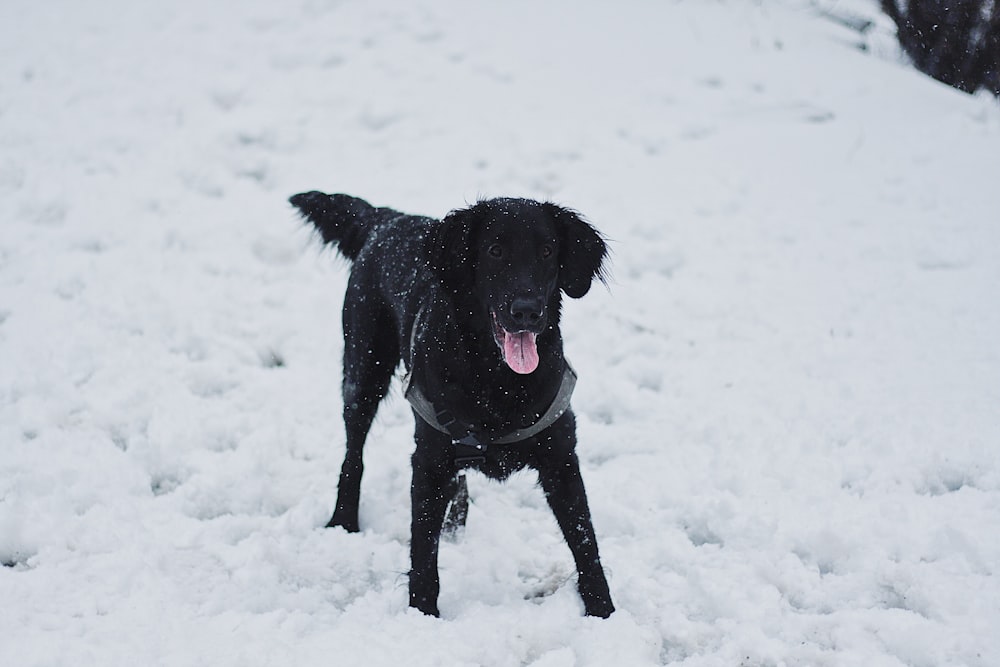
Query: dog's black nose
x=527 y=309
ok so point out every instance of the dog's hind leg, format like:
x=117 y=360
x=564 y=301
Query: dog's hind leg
x=371 y=353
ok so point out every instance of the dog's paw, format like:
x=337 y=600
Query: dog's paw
x=350 y=524
x=599 y=608
x=424 y=605
x=596 y=595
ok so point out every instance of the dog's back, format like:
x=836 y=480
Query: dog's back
x=388 y=251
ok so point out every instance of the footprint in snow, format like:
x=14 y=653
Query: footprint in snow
x=545 y=585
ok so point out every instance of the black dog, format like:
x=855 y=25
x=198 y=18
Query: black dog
x=470 y=304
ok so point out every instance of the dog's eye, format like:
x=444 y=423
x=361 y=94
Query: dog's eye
x=495 y=250
x=546 y=251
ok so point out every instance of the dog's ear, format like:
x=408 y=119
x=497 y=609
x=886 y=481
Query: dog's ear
x=450 y=250
x=582 y=251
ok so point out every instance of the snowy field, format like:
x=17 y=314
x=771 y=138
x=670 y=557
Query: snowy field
x=789 y=396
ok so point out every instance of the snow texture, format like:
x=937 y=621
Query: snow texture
x=789 y=398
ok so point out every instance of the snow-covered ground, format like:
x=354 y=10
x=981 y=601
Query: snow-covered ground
x=789 y=404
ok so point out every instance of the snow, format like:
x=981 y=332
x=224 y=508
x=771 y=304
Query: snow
x=788 y=398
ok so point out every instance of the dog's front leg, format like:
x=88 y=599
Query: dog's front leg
x=431 y=489
x=559 y=474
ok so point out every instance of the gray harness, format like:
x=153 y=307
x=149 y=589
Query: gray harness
x=471 y=446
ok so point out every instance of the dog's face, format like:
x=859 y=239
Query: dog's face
x=513 y=255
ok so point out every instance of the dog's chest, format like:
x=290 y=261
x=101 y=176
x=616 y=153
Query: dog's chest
x=487 y=401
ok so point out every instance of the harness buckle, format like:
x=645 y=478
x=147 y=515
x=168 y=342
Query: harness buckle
x=468 y=451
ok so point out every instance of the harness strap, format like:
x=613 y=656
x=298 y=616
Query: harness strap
x=444 y=421
x=470 y=447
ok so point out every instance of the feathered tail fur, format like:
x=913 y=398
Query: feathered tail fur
x=341 y=220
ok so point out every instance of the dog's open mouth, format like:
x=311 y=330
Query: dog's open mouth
x=518 y=348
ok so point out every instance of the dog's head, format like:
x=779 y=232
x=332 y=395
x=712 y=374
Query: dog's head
x=513 y=256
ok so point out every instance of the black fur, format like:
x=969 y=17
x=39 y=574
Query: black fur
x=501 y=262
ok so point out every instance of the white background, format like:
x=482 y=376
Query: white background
x=789 y=397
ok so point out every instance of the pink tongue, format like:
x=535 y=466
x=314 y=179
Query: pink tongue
x=519 y=351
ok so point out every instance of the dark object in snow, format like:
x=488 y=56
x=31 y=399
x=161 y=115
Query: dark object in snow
x=954 y=41
x=470 y=304
x=850 y=20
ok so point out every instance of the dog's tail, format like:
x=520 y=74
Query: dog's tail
x=341 y=220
